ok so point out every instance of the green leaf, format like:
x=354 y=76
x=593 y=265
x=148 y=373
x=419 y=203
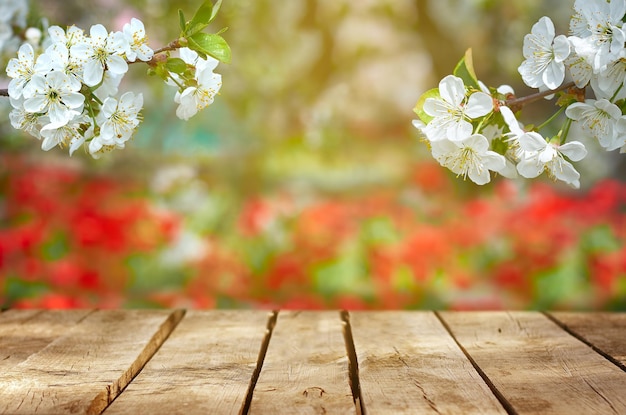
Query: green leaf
x=203 y=16
x=216 y=8
x=204 y=13
x=465 y=70
x=181 y=21
x=210 y=44
x=419 y=107
x=176 y=65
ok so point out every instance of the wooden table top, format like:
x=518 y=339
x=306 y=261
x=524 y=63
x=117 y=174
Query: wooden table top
x=391 y=362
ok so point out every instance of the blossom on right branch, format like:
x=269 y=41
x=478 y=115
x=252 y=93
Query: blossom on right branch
x=468 y=157
x=540 y=155
x=545 y=54
x=452 y=112
x=600 y=120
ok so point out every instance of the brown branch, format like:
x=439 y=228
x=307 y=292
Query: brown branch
x=4 y=92
x=520 y=102
x=173 y=45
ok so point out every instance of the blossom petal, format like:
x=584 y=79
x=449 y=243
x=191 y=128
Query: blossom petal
x=530 y=168
x=93 y=72
x=452 y=90
x=564 y=171
x=574 y=150
x=532 y=142
x=117 y=65
x=479 y=104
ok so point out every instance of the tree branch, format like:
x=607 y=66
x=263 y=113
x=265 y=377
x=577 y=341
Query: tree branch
x=520 y=102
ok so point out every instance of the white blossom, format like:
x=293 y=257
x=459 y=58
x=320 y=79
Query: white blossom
x=28 y=121
x=55 y=94
x=598 y=119
x=66 y=135
x=120 y=118
x=597 y=31
x=33 y=36
x=57 y=58
x=135 y=34
x=609 y=83
x=195 y=98
x=21 y=70
x=545 y=54
x=468 y=157
x=73 y=36
x=101 y=50
x=540 y=155
x=579 y=69
x=452 y=112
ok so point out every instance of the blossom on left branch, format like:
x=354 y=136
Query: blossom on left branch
x=61 y=90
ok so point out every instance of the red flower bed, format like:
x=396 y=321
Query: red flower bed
x=68 y=240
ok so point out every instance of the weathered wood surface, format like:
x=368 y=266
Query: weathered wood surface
x=409 y=364
x=229 y=362
x=305 y=370
x=536 y=367
x=25 y=332
x=604 y=331
x=83 y=370
x=204 y=368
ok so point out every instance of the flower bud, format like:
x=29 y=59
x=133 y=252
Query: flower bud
x=33 y=36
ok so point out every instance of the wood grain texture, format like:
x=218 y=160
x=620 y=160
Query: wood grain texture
x=204 y=367
x=409 y=364
x=25 y=332
x=538 y=367
x=605 y=331
x=85 y=369
x=306 y=367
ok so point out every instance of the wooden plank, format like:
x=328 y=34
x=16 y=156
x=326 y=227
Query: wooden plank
x=205 y=367
x=537 y=367
x=25 y=332
x=85 y=369
x=306 y=367
x=409 y=364
x=604 y=331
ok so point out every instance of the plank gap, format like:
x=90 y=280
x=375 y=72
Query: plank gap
x=36 y=315
x=269 y=328
x=582 y=338
x=503 y=401
x=104 y=399
x=353 y=363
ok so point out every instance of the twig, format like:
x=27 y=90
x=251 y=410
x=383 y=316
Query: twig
x=520 y=102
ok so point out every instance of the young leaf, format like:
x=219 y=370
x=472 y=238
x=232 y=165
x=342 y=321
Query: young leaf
x=419 y=107
x=212 y=45
x=216 y=8
x=465 y=70
x=201 y=18
x=181 y=21
x=176 y=65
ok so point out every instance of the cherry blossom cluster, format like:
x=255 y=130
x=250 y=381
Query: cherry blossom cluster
x=65 y=83
x=474 y=130
x=64 y=91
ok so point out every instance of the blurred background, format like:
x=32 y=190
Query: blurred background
x=304 y=185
